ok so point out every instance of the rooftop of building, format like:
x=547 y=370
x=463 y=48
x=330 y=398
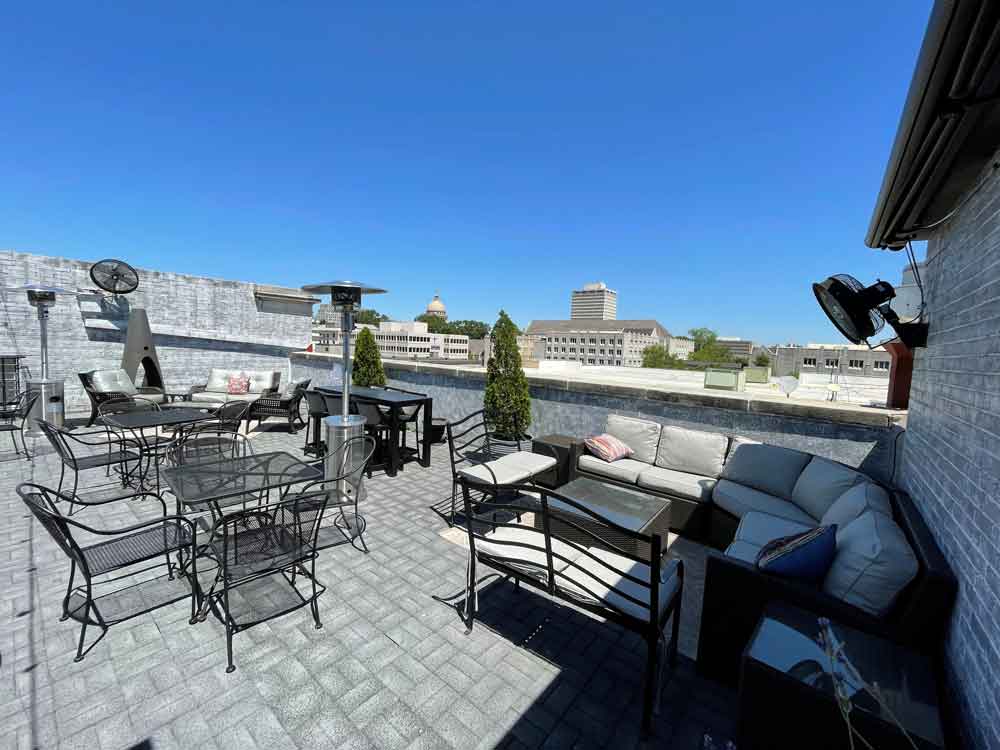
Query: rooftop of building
x=537 y=327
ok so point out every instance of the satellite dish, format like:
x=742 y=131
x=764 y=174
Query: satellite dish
x=115 y=276
x=788 y=384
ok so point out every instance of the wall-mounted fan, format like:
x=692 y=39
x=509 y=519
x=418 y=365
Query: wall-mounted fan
x=115 y=276
x=859 y=311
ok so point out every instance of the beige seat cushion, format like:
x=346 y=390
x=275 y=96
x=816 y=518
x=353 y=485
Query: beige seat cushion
x=218 y=380
x=874 y=563
x=692 y=451
x=768 y=468
x=739 y=500
x=113 y=381
x=156 y=398
x=641 y=435
x=262 y=380
x=624 y=469
x=211 y=397
x=523 y=546
x=510 y=469
x=821 y=483
x=593 y=581
x=677 y=483
x=760 y=528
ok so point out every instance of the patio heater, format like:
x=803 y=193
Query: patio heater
x=345 y=297
x=50 y=404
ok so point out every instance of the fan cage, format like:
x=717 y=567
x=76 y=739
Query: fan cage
x=114 y=276
x=877 y=321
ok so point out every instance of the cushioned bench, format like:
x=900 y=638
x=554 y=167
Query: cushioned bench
x=216 y=390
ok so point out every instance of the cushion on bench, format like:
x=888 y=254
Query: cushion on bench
x=744 y=551
x=587 y=578
x=691 y=451
x=641 y=435
x=527 y=548
x=767 y=468
x=113 y=381
x=681 y=484
x=862 y=497
x=821 y=483
x=739 y=500
x=510 y=469
x=624 y=469
x=761 y=528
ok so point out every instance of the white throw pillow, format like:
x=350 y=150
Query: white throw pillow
x=874 y=563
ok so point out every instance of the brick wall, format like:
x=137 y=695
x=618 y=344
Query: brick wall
x=951 y=458
x=198 y=323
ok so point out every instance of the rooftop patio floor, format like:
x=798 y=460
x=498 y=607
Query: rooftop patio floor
x=391 y=668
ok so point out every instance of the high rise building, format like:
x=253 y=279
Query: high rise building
x=594 y=302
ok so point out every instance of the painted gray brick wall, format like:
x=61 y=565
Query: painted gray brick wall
x=582 y=413
x=951 y=460
x=218 y=324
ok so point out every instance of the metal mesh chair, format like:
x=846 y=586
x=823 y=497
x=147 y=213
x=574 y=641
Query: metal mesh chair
x=14 y=420
x=105 y=603
x=344 y=490
x=209 y=445
x=75 y=451
x=257 y=556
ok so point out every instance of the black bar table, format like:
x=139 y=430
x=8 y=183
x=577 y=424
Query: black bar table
x=395 y=401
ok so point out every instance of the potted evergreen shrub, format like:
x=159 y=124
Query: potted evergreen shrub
x=506 y=401
x=367 y=361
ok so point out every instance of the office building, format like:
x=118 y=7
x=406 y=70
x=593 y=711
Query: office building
x=831 y=359
x=594 y=302
x=680 y=348
x=396 y=340
x=599 y=342
x=738 y=348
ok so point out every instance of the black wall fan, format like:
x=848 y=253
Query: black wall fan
x=860 y=312
x=115 y=276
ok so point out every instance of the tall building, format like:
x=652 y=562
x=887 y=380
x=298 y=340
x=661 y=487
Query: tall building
x=594 y=302
x=599 y=342
x=436 y=308
x=406 y=339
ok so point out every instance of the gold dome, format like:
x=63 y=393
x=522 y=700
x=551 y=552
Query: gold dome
x=436 y=307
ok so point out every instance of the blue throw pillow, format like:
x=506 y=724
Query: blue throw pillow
x=803 y=557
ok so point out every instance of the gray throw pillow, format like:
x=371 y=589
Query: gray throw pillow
x=821 y=483
x=860 y=498
x=641 y=435
x=767 y=468
x=692 y=451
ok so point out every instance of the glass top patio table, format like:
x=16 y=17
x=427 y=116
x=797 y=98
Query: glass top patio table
x=201 y=483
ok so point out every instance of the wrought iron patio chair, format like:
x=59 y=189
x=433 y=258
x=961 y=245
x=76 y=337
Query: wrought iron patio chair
x=345 y=489
x=286 y=406
x=210 y=445
x=75 y=451
x=257 y=557
x=488 y=460
x=104 y=602
x=14 y=420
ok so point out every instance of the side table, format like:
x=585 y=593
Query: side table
x=562 y=447
x=786 y=694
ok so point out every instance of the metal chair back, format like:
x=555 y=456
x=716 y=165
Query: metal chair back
x=316 y=403
x=207 y=444
x=41 y=501
x=56 y=437
x=231 y=414
x=126 y=405
x=332 y=404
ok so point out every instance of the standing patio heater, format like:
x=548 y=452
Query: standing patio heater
x=345 y=297
x=50 y=404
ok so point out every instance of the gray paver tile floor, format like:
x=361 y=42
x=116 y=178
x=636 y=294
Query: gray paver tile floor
x=391 y=668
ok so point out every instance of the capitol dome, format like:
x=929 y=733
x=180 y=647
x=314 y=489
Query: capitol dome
x=436 y=307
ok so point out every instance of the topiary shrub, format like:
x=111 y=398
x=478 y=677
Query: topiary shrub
x=506 y=400
x=367 y=361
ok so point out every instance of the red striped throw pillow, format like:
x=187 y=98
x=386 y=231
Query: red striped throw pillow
x=607 y=447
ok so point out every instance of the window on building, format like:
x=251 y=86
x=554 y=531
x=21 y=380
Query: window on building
x=619 y=362
x=603 y=341
x=880 y=364
x=593 y=341
x=832 y=363
x=572 y=350
x=856 y=364
x=590 y=351
x=572 y=341
x=808 y=361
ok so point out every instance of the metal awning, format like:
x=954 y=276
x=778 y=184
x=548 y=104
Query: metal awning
x=950 y=126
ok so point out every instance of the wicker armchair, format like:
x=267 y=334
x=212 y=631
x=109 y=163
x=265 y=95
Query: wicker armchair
x=98 y=395
x=285 y=405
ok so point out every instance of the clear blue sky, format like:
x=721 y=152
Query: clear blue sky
x=707 y=160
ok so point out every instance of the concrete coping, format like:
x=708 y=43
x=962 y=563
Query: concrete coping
x=755 y=403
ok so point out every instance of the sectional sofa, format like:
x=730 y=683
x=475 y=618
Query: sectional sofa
x=216 y=390
x=736 y=494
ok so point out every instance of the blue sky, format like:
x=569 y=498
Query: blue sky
x=707 y=162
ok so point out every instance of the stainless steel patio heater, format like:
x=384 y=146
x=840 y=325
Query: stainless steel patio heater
x=50 y=404
x=345 y=297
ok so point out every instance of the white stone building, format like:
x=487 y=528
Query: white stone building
x=599 y=342
x=408 y=339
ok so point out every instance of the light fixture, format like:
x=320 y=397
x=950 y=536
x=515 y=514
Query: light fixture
x=860 y=312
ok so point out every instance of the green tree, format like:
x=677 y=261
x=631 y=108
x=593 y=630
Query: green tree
x=369 y=317
x=702 y=337
x=434 y=323
x=506 y=400
x=657 y=356
x=762 y=360
x=474 y=329
x=367 y=361
x=711 y=351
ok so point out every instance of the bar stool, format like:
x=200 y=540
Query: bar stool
x=316 y=403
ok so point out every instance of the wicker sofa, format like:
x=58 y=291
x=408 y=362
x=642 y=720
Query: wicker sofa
x=216 y=389
x=736 y=494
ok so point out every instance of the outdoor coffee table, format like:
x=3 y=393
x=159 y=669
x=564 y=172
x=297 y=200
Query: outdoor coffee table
x=632 y=509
